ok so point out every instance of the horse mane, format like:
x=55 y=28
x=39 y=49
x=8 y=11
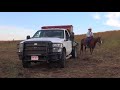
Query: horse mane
x=97 y=37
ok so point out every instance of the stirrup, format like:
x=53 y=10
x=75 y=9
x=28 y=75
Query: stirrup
x=87 y=46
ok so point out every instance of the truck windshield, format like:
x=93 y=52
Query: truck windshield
x=49 y=33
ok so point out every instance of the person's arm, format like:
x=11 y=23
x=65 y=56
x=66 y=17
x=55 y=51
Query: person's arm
x=91 y=34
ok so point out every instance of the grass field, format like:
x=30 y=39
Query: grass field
x=104 y=63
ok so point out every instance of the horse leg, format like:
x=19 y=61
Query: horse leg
x=92 y=51
x=85 y=49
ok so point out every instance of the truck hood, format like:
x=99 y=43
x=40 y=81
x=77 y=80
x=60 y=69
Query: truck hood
x=53 y=40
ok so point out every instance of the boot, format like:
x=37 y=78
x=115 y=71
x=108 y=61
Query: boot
x=87 y=45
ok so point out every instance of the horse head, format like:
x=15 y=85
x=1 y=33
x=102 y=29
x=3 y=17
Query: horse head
x=99 y=40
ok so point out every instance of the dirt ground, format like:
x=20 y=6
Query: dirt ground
x=104 y=63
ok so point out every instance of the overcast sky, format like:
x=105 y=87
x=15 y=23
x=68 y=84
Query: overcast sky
x=17 y=25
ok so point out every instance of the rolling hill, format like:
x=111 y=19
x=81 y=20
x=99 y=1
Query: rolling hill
x=104 y=63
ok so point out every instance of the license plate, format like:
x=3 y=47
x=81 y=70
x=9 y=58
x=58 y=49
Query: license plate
x=34 y=58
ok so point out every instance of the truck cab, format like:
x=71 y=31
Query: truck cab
x=49 y=44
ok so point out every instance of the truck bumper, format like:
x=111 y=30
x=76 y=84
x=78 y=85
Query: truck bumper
x=54 y=56
x=49 y=57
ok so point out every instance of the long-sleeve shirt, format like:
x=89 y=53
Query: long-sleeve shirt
x=89 y=34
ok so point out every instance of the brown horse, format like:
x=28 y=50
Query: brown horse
x=92 y=44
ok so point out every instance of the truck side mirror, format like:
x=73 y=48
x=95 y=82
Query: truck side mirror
x=28 y=37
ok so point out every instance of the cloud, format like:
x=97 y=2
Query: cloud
x=96 y=16
x=113 y=19
x=14 y=32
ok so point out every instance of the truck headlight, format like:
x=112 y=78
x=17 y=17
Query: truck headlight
x=21 y=47
x=57 y=47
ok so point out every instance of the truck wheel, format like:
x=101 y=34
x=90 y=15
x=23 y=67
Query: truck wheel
x=26 y=64
x=63 y=59
x=74 y=53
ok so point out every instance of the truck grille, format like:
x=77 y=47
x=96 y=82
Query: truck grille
x=37 y=48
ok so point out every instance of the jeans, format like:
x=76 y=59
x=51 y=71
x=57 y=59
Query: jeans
x=88 y=40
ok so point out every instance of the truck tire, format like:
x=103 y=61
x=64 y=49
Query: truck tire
x=74 y=52
x=26 y=64
x=63 y=59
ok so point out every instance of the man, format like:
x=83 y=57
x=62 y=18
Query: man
x=72 y=36
x=89 y=36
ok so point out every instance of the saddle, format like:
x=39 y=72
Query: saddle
x=88 y=40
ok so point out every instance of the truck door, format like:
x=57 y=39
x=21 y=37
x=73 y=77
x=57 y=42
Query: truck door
x=68 y=43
